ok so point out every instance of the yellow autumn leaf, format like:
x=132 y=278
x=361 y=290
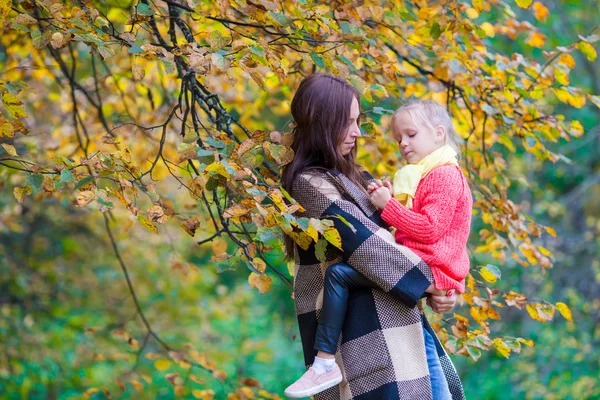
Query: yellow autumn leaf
x=313 y=233
x=138 y=73
x=21 y=192
x=562 y=94
x=523 y=3
x=10 y=149
x=561 y=77
x=533 y=312
x=179 y=390
x=185 y=365
x=490 y=273
x=259 y=264
x=536 y=39
x=203 y=394
x=540 y=12
x=5 y=6
x=218 y=168
x=551 y=231
x=333 y=237
x=84 y=198
x=527 y=342
x=88 y=393
x=577 y=100
x=259 y=281
x=219 y=246
x=488 y=29
x=147 y=224
x=587 y=50
x=6 y=128
x=14 y=105
x=220 y=374
x=137 y=385
x=595 y=100
x=162 y=365
x=301 y=239
x=501 y=347
x=568 y=60
x=564 y=311
x=152 y=356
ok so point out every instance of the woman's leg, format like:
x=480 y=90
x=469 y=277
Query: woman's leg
x=339 y=280
x=439 y=385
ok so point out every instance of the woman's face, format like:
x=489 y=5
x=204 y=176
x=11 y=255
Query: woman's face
x=352 y=132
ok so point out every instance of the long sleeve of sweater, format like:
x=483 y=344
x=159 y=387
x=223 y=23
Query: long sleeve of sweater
x=440 y=191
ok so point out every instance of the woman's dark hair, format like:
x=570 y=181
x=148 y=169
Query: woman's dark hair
x=321 y=112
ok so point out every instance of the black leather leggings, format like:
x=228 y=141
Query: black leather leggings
x=339 y=280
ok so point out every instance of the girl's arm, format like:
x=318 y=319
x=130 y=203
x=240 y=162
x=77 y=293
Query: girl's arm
x=366 y=246
x=441 y=190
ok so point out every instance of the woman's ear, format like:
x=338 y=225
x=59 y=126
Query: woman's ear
x=440 y=134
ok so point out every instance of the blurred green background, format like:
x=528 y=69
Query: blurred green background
x=66 y=315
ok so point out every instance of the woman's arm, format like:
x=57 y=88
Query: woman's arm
x=366 y=246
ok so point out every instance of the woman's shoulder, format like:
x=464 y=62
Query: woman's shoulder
x=312 y=179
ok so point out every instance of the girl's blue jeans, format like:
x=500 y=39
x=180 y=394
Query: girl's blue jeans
x=339 y=280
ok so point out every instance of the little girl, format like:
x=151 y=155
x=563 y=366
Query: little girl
x=430 y=208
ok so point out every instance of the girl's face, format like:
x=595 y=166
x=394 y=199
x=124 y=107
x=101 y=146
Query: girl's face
x=353 y=131
x=416 y=140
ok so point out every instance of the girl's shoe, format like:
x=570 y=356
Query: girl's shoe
x=312 y=383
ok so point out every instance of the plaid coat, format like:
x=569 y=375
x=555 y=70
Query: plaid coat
x=381 y=349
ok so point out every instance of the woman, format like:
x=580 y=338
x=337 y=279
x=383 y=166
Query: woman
x=381 y=349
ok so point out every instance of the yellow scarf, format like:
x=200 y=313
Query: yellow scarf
x=408 y=177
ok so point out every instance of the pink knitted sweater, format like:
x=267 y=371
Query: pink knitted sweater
x=438 y=225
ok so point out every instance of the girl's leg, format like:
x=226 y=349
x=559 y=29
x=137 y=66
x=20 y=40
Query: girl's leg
x=339 y=280
x=325 y=373
x=439 y=385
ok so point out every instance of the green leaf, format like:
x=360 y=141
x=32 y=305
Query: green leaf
x=216 y=143
x=204 y=153
x=83 y=182
x=368 y=129
x=474 y=352
x=35 y=181
x=320 y=249
x=318 y=59
x=257 y=49
x=216 y=40
x=135 y=50
x=169 y=66
x=106 y=52
x=435 y=31
x=507 y=142
x=143 y=9
x=345 y=222
x=347 y=62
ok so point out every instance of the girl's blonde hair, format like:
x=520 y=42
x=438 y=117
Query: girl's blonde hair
x=431 y=114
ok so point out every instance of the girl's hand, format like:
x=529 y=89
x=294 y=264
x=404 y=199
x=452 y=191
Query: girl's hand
x=374 y=186
x=441 y=301
x=381 y=196
x=442 y=304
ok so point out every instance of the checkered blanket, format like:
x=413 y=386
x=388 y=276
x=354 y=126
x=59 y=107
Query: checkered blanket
x=381 y=349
